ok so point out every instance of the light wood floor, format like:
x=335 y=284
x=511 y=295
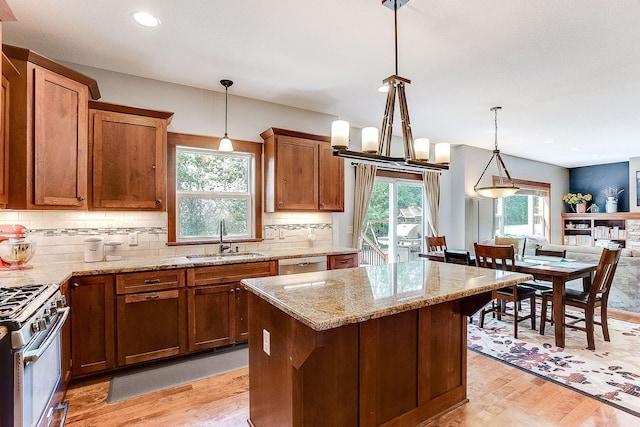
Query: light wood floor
x=499 y=395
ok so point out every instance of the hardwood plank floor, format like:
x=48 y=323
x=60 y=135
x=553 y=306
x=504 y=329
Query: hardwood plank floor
x=499 y=395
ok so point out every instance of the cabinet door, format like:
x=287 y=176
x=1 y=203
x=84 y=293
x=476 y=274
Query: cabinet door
x=296 y=174
x=92 y=324
x=211 y=310
x=4 y=143
x=242 y=314
x=151 y=325
x=129 y=161
x=331 y=176
x=60 y=141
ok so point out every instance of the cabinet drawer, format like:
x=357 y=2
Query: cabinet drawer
x=342 y=261
x=230 y=273
x=149 y=281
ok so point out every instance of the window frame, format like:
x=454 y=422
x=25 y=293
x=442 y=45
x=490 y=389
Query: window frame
x=207 y=142
x=529 y=187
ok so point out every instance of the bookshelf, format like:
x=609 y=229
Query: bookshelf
x=600 y=229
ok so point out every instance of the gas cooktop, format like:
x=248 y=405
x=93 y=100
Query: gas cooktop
x=18 y=302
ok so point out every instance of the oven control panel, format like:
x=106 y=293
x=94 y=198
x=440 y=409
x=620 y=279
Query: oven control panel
x=40 y=322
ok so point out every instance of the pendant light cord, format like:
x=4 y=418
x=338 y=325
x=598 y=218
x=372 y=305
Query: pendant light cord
x=226 y=104
x=395 y=23
x=495 y=110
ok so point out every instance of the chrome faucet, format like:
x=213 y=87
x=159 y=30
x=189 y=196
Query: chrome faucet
x=223 y=231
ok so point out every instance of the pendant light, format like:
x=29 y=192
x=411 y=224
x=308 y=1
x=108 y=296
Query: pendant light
x=225 y=142
x=376 y=145
x=505 y=185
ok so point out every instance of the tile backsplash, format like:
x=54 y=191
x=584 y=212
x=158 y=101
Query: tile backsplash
x=60 y=235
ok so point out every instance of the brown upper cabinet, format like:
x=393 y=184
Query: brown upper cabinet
x=128 y=152
x=48 y=115
x=301 y=173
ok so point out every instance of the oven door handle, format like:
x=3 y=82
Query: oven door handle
x=33 y=355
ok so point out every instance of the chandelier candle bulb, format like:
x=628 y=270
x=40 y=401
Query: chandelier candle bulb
x=340 y=134
x=421 y=148
x=443 y=153
x=370 y=136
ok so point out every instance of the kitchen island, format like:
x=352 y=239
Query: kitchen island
x=367 y=346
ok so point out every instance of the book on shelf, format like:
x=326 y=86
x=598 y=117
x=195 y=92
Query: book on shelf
x=577 y=240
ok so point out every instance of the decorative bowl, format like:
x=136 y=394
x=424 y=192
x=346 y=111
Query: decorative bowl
x=15 y=254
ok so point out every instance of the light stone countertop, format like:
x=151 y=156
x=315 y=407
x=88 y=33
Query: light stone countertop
x=330 y=299
x=59 y=272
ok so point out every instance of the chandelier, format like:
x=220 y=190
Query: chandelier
x=505 y=185
x=376 y=146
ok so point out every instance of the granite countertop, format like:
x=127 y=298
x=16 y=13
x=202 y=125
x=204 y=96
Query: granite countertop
x=329 y=299
x=59 y=272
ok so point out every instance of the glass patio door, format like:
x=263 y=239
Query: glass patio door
x=393 y=226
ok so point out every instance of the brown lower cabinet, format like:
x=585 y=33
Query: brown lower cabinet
x=150 y=326
x=335 y=262
x=123 y=319
x=217 y=289
x=92 y=324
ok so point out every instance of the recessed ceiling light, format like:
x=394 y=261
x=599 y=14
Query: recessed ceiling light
x=574 y=149
x=146 y=19
x=549 y=141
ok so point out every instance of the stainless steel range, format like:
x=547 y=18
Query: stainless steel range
x=31 y=320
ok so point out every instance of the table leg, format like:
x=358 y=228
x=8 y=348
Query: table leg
x=558 y=310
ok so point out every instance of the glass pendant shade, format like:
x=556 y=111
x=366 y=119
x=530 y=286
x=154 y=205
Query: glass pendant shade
x=497 y=191
x=443 y=153
x=225 y=144
x=421 y=148
x=340 y=134
x=370 y=136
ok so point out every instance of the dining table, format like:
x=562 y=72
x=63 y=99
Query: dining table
x=558 y=271
x=555 y=270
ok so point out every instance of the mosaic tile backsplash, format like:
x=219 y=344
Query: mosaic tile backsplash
x=60 y=235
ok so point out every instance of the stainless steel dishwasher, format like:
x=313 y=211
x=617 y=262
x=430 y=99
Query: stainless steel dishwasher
x=302 y=265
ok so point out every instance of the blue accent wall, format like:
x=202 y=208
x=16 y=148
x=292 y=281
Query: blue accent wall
x=594 y=179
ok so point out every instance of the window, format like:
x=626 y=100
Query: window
x=393 y=226
x=208 y=186
x=211 y=186
x=526 y=213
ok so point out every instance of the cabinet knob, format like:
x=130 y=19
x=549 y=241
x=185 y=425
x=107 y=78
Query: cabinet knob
x=237 y=289
x=232 y=290
x=81 y=198
x=158 y=201
x=74 y=285
x=280 y=203
x=322 y=205
x=153 y=167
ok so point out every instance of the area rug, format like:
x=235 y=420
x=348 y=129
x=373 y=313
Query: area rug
x=182 y=371
x=610 y=374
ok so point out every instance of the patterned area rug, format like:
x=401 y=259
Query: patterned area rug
x=610 y=374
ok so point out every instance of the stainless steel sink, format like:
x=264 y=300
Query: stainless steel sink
x=224 y=256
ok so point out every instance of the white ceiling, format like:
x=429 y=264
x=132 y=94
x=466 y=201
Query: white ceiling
x=566 y=71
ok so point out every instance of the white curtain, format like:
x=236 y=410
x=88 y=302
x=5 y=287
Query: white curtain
x=431 y=182
x=365 y=176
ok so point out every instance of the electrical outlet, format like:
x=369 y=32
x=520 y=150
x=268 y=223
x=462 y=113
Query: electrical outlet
x=269 y=234
x=282 y=233
x=132 y=239
x=266 y=342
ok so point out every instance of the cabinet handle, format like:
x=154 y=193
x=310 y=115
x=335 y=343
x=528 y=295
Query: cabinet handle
x=322 y=205
x=81 y=198
x=151 y=281
x=280 y=203
x=74 y=285
x=158 y=201
x=153 y=167
x=343 y=261
x=154 y=296
x=232 y=290
x=237 y=289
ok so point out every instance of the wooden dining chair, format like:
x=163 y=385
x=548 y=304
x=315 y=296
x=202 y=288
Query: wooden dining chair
x=517 y=242
x=457 y=257
x=436 y=243
x=503 y=257
x=597 y=296
x=543 y=285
